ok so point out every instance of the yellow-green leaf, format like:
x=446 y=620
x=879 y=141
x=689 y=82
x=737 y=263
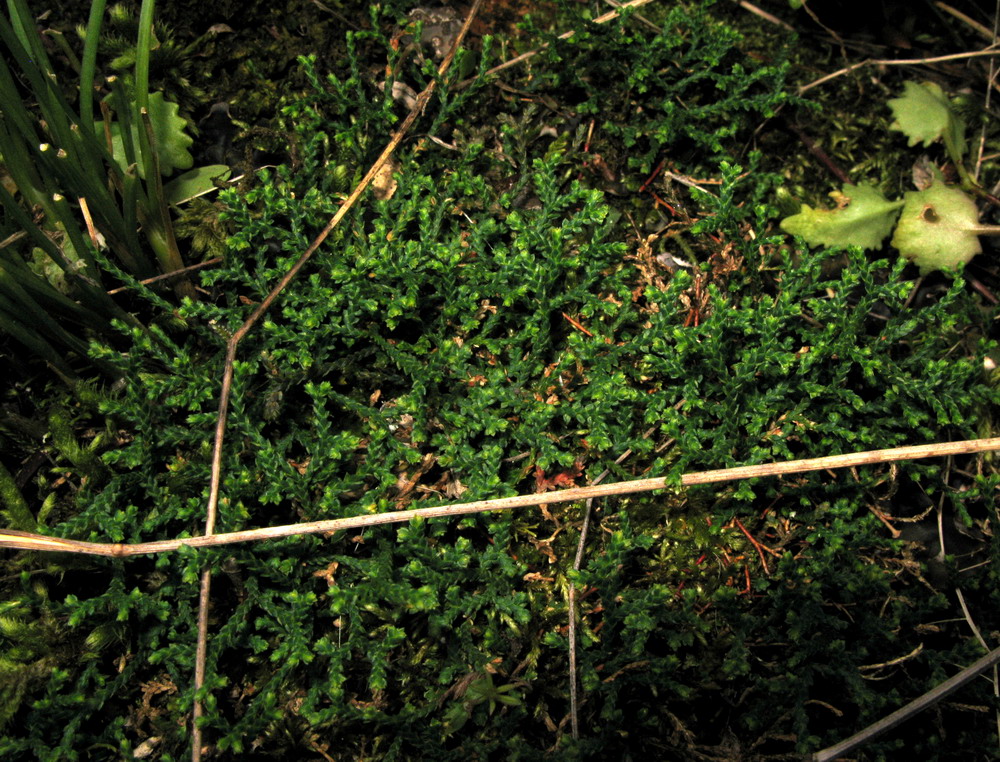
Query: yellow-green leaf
x=863 y=217
x=938 y=229
x=924 y=114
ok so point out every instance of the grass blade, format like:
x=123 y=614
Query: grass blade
x=89 y=64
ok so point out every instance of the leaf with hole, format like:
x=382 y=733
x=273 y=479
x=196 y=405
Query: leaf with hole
x=939 y=228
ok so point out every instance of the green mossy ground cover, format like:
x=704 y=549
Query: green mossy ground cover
x=503 y=322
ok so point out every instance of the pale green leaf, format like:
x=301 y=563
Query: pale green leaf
x=194 y=183
x=172 y=142
x=938 y=228
x=924 y=114
x=863 y=217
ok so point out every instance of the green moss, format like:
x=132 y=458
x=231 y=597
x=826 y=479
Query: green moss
x=492 y=327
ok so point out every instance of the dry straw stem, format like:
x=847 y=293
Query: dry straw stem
x=765 y=15
x=618 y=6
x=990 y=51
x=982 y=30
x=201 y=650
x=26 y=541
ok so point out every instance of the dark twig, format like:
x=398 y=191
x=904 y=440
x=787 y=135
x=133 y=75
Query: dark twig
x=819 y=153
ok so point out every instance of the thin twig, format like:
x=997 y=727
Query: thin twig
x=991 y=51
x=932 y=696
x=171 y=274
x=638 y=16
x=965 y=609
x=893 y=662
x=982 y=289
x=577 y=563
x=765 y=15
x=10 y=538
x=227 y=376
x=918 y=705
x=972 y=623
x=990 y=81
x=603 y=19
x=982 y=30
x=610 y=15
x=574 y=720
x=819 y=153
x=691 y=183
x=757 y=545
